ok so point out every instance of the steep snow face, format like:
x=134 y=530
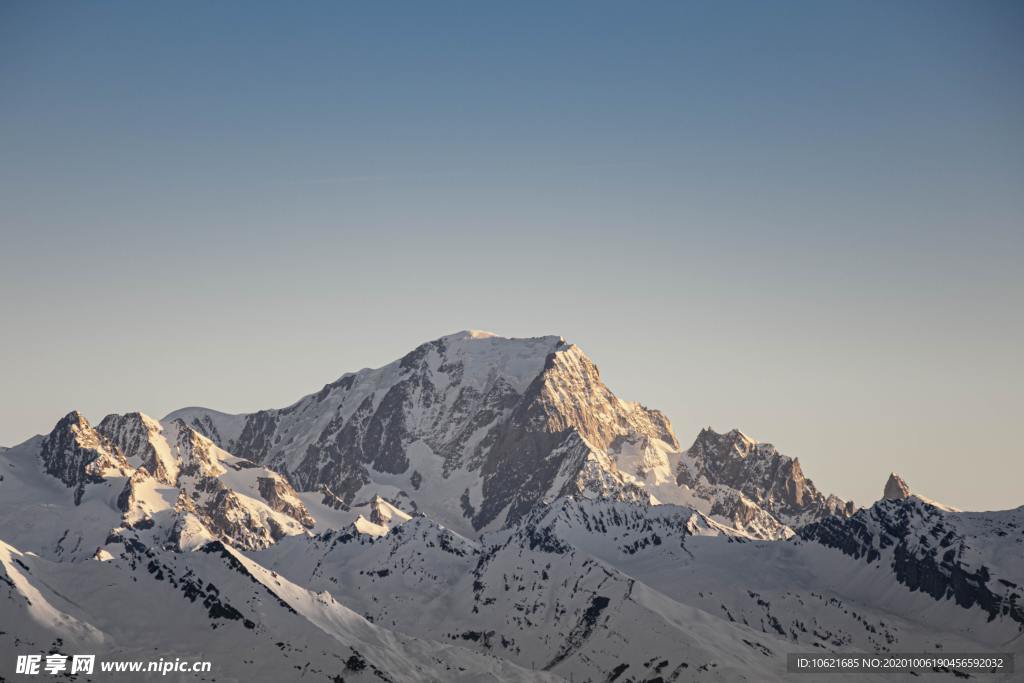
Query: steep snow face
x=141 y=439
x=767 y=480
x=384 y=513
x=39 y=513
x=221 y=428
x=377 y=517
x=27 y=618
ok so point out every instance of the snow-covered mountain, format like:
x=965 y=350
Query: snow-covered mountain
x=741 y=480
x=634 y=579
x=480 y=509
x=975 y=559
x=476 y=430
x=217 y=605
x=130 y=471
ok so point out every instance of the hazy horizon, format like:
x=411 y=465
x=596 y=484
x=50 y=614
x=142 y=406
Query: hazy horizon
x=802 y=221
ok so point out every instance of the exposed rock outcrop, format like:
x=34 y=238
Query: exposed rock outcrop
x=773 y=481
x=895 y=488
x=281 y=497
x=78 y=455
x=140 y=438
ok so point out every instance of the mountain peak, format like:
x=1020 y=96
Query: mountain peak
x=77 y=454
x=499 y=425
x=141 y=439
x=895 y=488
x=481 y=335
x=72 y=419
x=473 y=334
x=733 y=441
x=773 y=481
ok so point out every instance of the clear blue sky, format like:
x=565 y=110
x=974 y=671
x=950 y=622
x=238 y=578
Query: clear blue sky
x=802 y=219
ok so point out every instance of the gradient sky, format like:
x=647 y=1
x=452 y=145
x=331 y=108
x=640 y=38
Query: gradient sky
x=801 y=219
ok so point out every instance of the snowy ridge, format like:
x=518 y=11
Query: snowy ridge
x=198 y=489
x=519 y=591
x=973 y=559
x=216 y=602
x=518 y=596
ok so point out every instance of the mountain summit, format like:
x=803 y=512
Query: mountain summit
x=475 y=430
x=895 y=488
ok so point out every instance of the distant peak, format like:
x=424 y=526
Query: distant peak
x=738 y=435
x=74 y=418
x=896 y=488
x=133 y=416
x=469 y=334
x=483 y=334
x=185 y=429
x=731 y=436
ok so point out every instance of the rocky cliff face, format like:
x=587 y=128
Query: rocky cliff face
x=895 y=488
x=562 y=430
x=217 y=495
x=232 y=498
x=140 y=438
x=281 y=498
x=78 y=455
x=765 y=477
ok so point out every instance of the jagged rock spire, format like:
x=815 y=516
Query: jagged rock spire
x=895 y=488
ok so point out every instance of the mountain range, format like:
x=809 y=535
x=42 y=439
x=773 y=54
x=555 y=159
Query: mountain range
x=482 y=508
